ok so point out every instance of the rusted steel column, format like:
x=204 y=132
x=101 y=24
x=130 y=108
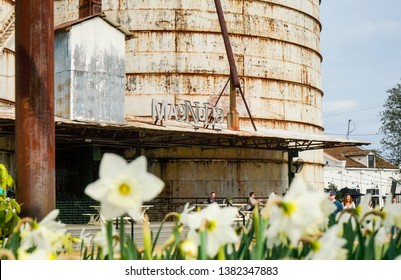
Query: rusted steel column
x=34 y=104
x=227 y=44
x=232 y=116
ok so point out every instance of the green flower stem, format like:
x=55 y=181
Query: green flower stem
x=259 y=234
x=221 y=255
x=173 y=214
x=203 y=243
x=122 y=235
x=109 y=230
x=147 y=239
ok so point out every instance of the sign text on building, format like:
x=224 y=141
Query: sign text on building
x=187 y=112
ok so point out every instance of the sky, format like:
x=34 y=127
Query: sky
x=361 y=49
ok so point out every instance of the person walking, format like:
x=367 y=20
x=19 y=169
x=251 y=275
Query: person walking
x=338 y=204
x=347 y=202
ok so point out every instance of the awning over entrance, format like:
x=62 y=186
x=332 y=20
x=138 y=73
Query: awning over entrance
x=145 y=132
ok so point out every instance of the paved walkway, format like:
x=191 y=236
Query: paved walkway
x=167 y=230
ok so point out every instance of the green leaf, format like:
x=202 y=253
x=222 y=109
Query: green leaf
x=9 y=215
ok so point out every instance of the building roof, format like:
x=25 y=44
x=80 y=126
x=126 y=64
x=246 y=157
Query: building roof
x=69 y=24
x=145 y=132
x=346 y=154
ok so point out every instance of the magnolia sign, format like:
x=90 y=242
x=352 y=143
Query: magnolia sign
x=187 y=112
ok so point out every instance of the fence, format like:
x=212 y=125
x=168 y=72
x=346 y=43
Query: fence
x=73 y=206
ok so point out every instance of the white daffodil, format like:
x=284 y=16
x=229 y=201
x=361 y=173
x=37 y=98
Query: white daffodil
x=121 y=187
x=100 y=240
x=381 y=236
x=391 y=215
x=85 y=240
x=299 y=213
x=186 y=214
x=344 y=219
x=189 y=249
x=272 y=200
x=329 y=246
x=366 y=215
x=48 y=235
x=363 y=208
x=217 y=223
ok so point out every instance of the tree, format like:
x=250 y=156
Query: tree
x=391 y=125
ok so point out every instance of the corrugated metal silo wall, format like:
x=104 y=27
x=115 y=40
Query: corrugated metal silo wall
x=179 y=55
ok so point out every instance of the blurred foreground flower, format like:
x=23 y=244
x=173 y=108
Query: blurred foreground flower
x=301 y=212
x=216 y=222
x=121 y=187
x=329 y=246
x=189 y=249
x=47 y=238
x=101 y=240
x=392 y=214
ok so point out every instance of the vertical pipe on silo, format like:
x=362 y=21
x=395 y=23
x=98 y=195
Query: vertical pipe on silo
x=232 y=116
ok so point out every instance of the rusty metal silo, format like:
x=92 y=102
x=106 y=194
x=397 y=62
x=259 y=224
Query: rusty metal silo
x=179 y=55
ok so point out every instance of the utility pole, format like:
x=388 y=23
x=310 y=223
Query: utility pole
x=348 y=130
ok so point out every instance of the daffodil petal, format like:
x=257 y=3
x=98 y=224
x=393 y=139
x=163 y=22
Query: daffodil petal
x=136 y=215
x=150 y=186
x=109 y=212
x=212 y=246
x=137 y=168
x=111 y=165
x=51 y=216
x=96 y=190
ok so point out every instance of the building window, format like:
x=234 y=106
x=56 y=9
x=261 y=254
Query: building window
x=371 y=161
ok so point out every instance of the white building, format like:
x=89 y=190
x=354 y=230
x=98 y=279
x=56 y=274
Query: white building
x=362 y=170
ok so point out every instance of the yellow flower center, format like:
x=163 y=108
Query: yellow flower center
x=358 y=210
x=289 y=208
x=315 y=246
x=211 y=225
x=124 y=189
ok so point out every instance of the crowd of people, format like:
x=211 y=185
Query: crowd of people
x=347 y=202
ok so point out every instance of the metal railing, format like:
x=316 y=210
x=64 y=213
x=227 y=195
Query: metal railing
x=72 y=206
